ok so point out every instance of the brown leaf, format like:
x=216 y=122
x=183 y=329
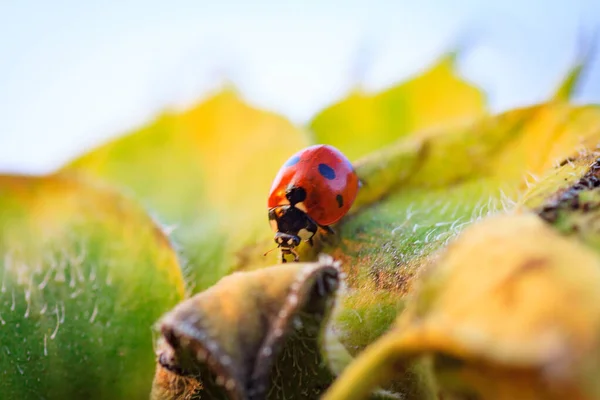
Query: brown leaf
x=253 y=335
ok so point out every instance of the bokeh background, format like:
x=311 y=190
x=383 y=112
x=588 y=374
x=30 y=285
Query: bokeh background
x=74 y=74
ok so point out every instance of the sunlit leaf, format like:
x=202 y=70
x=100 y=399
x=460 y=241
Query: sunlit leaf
x=364 y=122
x=457 y=178
x=207 y=172
x=84 y=273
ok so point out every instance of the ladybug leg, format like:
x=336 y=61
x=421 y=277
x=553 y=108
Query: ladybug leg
x=326 y=234
x=311 y=228
x=296 y=256
x=284 y=251
x=327 y=229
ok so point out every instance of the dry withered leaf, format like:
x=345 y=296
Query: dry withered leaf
x=573 y=204
x=512 y=310
x=253 y=335
x=551 y=190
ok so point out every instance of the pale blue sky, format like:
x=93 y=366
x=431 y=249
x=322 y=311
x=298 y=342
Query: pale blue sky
x=74 y=73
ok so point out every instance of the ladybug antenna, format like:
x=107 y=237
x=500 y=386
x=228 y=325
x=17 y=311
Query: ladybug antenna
x=274 y=248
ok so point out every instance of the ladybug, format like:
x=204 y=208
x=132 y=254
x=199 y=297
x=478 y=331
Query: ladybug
x=312 y=190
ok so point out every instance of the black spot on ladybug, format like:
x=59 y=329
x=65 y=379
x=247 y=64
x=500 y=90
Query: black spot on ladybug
x=295 y=195
x=292 y=161
x=326 y=171
x=340 y=200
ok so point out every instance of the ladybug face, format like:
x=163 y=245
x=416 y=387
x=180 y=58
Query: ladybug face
x=313 y=189
x=293 y=222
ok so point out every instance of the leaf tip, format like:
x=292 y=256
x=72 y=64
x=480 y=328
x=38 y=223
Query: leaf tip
x=462 y=43
x=576 y=74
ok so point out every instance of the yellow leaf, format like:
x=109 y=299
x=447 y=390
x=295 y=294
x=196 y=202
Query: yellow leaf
x=363 y=122
x=548 y=134
x=510 y=305
x=207 y=171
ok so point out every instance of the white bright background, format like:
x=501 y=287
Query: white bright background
x=74 y=73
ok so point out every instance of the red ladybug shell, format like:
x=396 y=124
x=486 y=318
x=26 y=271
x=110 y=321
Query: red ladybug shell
x=326 y=175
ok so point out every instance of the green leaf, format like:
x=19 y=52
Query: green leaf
x=84 y=274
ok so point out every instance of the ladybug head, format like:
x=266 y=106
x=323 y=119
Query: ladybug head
x=287 y=221
x=286 y=240
x=290 y=223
